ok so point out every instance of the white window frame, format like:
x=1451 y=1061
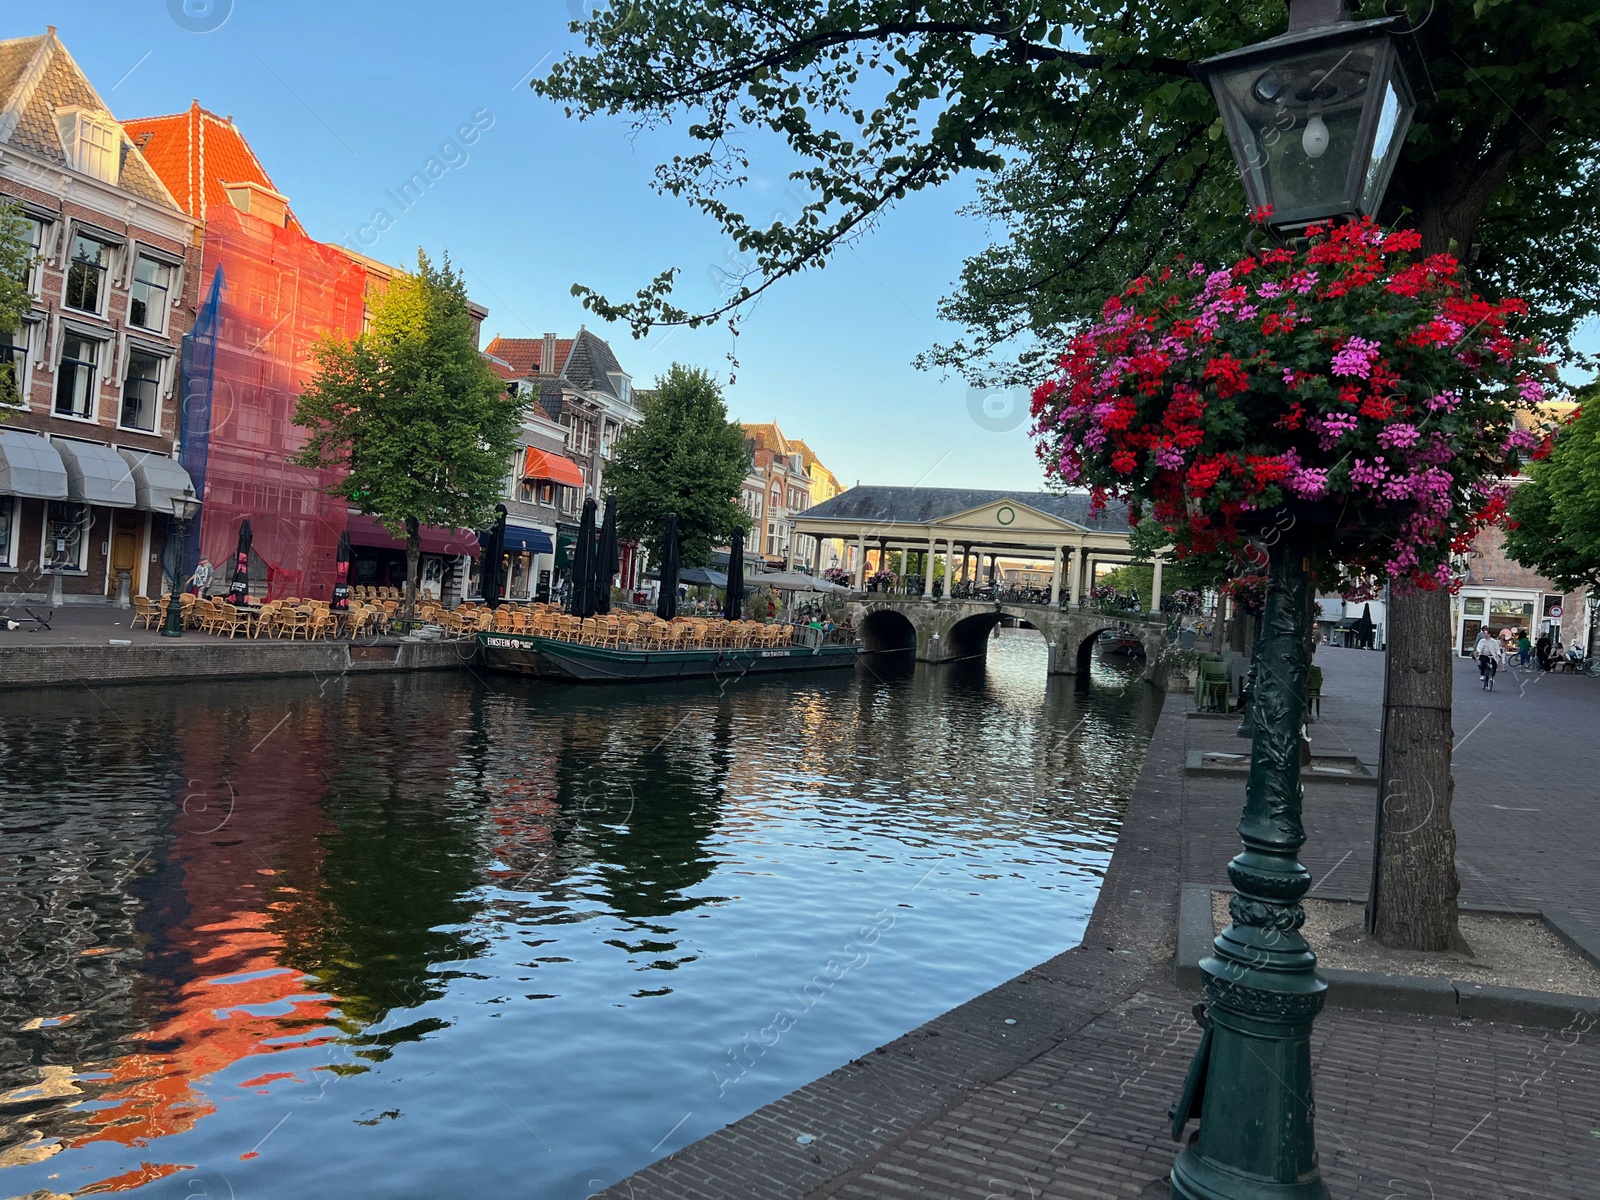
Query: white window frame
x=163 y=376
x=73 y=123
x=29 y=346
x=106 y=346
x=47 y=550
x=174 y=282
x=9 y=508
x=107 y=273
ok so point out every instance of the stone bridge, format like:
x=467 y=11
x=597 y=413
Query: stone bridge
x=950 y=630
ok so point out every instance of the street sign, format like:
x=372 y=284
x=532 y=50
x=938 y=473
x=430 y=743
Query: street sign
x=1553 y=612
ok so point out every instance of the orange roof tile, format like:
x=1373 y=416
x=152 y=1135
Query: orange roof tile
x=195 y=153
x=524 y=354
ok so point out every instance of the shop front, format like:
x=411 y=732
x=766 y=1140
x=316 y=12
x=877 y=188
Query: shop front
x=81 y=517
x=378 y=558
x=525 y=567
x=1516 y=609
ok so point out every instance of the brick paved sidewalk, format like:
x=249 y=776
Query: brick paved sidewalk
x=1071 y=1099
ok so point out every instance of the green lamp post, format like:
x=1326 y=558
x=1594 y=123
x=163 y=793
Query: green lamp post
x=184 y=510
x=1316 y=119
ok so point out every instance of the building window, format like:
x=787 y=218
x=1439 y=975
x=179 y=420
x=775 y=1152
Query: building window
x=78 y=376
x=147 y=299
x=66 y=535
x=547 y=493
x=141 y=391
x=14 y=367
x=93 y=142
x=8 y=525
x=29 y=278
x=86 y=274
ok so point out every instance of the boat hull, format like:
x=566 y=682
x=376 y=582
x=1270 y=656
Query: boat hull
x=550 y=658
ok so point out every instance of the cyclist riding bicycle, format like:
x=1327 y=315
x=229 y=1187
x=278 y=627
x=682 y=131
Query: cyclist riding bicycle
x=1491 y=657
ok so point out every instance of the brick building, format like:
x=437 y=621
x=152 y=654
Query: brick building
x=86 y=469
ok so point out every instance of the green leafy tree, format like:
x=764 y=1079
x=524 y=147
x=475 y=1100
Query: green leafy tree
x=684 y=457
x=411 y=414
x=1554 y=524
x=1098 y=154
x=16 y=257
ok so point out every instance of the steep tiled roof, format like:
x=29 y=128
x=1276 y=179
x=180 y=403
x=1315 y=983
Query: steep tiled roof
x=920 y=506
x=768 y=437
x=37 y=78
x=195 y=153
x=525 y=353
x=591 y=363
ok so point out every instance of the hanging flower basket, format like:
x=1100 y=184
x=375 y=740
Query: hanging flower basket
x=1345 y=389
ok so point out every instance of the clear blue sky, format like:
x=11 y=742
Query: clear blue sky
x=342 y=101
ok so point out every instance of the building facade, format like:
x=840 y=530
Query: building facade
x=776 y=489
x=87 y=475
x=1497 y=592
x=584 y=392
x=271 y=294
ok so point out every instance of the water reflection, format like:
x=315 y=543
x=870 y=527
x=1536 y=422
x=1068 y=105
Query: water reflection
x=490 y=926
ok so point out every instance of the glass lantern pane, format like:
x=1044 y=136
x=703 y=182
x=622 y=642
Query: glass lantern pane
x=1297 y=123
x=1393 y=121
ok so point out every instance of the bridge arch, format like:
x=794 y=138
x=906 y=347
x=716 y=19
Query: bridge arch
x=968 y=636
x=1088 y=633
x=887 y=630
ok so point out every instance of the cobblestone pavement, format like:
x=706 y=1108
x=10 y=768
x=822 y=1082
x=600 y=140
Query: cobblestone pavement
x=1057 y=1083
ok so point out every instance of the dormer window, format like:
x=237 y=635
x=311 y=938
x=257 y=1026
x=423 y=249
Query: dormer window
x=92 y=141
x=260 y=202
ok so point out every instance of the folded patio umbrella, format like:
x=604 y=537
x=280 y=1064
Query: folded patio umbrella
x=582 y=600
x=493 y=549
x=733 y=603
x=607 y=558
x=667 y=602
x=240 y=587
x=341 y=575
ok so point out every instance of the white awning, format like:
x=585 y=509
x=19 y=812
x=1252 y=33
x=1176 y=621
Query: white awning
x=157 y=480
x=30 y=466
x=96 y=474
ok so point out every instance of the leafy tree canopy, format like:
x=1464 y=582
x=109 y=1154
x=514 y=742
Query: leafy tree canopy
x=684 y=457
x=1097 y=151
x=1553 y=521
x=409 y=411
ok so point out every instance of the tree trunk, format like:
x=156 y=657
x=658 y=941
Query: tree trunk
x=1412 y=904
x=413 y=574
x=1412 y=901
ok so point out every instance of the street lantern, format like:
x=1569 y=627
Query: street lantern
x=184 y=509
x=1317 y=116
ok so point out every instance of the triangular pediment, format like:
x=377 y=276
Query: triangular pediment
x=1006 y=516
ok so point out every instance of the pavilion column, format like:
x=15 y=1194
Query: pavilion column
x=861 y=562
x=1155 y=588
x=816 y=556
x=1074 y=575
x=927 y=571
x=1055 y=577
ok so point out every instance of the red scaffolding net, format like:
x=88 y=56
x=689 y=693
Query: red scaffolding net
x=281 y=294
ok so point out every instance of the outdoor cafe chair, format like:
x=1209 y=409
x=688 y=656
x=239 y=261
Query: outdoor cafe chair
x=295 y=621
x=146 y=611
x=318 y=623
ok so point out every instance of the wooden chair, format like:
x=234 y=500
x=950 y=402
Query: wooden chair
x=294 y=621
x=145 y=610
x=319 y=622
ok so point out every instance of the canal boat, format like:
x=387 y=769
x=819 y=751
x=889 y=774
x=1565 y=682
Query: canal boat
x=555 y=658
x=1121 y=642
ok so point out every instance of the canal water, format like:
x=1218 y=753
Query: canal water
x=437 y=935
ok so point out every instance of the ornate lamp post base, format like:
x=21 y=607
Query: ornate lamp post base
x=1250 y=1082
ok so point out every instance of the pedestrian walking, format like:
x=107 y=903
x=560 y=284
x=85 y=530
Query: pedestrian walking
x=201 y=579
x=1541 y=649
x=1524 y=648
